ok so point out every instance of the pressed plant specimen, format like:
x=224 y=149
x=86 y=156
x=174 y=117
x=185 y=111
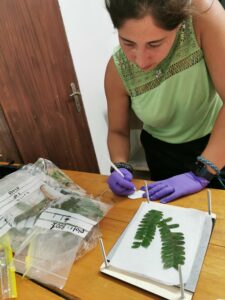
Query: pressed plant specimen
x=172 y=250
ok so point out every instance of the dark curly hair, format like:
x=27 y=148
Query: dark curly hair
x=167 y=14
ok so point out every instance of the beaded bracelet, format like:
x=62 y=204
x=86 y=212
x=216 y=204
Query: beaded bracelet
x=208 y=163
x=122 y=165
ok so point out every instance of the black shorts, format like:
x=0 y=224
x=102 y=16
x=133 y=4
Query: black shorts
x=165 y=159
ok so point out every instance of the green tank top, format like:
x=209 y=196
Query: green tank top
x=176 y=101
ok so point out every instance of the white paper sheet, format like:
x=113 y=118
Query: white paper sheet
x=147 y=262
x=136 y=195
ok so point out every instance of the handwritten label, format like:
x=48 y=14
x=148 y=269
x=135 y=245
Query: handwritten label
x=18 y=193
x=58 y=219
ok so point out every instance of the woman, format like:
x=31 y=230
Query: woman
x=170 y=68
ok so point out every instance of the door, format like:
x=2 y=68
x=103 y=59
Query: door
x=35 y=85
x=223 y=3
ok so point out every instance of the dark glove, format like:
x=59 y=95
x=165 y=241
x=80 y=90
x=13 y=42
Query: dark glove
x=175 y=187
x=121 y=186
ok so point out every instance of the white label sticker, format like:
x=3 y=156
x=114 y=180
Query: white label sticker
x=18 y=193
x=58 y=219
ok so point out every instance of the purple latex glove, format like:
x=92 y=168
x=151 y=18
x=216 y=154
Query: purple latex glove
x=174 y=187
x=121 y=186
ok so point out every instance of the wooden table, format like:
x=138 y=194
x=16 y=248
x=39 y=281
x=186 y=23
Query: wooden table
x=85 y=280
x=88 y=283
x=28 y=290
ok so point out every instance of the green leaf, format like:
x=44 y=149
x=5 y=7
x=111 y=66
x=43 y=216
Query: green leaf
x=172 y=250
x=136 y=245
x=146 y=229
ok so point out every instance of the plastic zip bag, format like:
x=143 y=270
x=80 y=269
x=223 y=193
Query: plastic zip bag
x=71 y=230
x=45 y=247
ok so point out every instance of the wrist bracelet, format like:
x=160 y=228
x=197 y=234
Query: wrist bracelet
x=199 y=169
x=122 y=165
x=208 y=163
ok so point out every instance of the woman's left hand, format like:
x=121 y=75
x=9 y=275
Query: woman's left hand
x=174 y=187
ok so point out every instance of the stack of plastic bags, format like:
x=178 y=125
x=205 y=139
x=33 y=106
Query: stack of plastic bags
x=49 y=220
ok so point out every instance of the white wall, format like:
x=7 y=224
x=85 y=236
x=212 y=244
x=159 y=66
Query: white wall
x=91 y=38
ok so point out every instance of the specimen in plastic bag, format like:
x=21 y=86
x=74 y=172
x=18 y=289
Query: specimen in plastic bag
x=83 y=206
x=30 y=211
x=172 y=251
x=40 y=252
x=60 y=177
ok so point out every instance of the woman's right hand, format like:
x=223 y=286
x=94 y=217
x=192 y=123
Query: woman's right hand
x=121 y=186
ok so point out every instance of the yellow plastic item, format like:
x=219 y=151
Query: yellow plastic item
x=7 y=270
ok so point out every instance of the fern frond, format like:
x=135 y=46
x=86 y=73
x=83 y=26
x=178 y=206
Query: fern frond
x=146 y=229
x=172 y=252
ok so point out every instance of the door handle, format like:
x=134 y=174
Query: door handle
x=75 y=95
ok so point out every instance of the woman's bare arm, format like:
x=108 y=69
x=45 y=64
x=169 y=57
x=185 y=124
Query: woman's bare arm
x=118 y=115
x=210 y=28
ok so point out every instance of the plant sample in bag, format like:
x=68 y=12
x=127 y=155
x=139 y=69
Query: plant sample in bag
x=80 y=205
x=29 y=211
x=172 y=250
x=60 y=177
